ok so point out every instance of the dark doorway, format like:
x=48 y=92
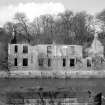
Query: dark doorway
x=88 y=63
x=64 y=62
x=72 y=62
x=49 y=62
x=15 y=62
x=25 y=62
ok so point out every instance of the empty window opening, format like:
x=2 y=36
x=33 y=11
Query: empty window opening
x=41 y=62
x=88 y=63
x=25 y=49
x=15 y=62
x=72 y=62
x=16 y=48
x=64 y=62
x=49 y=62
x=25 y=62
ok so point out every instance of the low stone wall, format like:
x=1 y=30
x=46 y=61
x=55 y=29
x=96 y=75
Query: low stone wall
x=53 y=74
x=57 y=74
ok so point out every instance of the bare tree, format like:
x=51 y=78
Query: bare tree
x=47 y=24
x=23 y=22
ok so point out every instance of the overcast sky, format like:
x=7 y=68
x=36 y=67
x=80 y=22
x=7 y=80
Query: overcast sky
x=34 y=8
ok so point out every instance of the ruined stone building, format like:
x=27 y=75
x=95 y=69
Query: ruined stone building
x=55 y=57
x=96 y=49
x=46 y=57
x=96 y=53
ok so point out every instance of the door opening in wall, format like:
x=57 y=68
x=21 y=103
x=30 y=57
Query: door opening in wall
x=15 y=62
x=49 y=62
x=64 y=62
x=88 y=63
x=25 y=62
x=72 y=62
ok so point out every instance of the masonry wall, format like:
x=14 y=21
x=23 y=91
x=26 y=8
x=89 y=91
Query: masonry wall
x=19 y=55
x=56 y=56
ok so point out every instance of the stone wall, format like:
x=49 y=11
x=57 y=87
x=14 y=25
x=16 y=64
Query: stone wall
x=58 y=57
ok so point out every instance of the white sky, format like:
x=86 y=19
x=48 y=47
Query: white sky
x=34 y=8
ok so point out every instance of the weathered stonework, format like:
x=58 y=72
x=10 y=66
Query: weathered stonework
x=59 y=57
x=55 y=59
